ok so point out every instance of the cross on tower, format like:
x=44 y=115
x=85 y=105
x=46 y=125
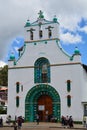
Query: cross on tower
x=31 y=33
x=31 y=30
x=41 y=14
x=49 y=28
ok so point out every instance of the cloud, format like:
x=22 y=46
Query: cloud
x=14 y=13
x=2 y=64
x=69 y=38
x=83 y=29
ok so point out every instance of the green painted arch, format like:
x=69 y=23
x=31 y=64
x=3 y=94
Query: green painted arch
x=32 y=97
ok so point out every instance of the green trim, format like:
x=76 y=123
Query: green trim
x=59 y=46
x=71 y=58
x=17 y=89
x=68 y=100
x=32 y=98
x=38 y=68
x=48 y=22
x=41 y=16
x=76 y=52
x=12 y=57
x=55 y=19
x=17 y=101
x=35 y=43
x=68 y=85
x=45 y=42
x=27 y=24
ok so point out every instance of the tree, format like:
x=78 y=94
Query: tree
x=4 y=76
x=3 y=110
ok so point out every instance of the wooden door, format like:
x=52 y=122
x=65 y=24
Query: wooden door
x=44 y=107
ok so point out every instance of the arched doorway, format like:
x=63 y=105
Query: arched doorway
x=42 y=93
x=44 y=107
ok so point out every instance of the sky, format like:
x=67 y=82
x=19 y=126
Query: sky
x=71 y=14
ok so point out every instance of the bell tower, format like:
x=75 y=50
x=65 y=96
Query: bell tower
x=41 y=29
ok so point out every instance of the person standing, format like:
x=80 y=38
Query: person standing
x=14 y=125
x=19 y=121
x=1 y=122
x=70 y=122
x=37 y=119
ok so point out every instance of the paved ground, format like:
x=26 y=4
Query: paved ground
x=42 y=126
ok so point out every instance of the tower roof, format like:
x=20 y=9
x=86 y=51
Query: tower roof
x=41 y=20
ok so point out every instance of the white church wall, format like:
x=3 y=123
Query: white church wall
x=25 y=78
x=60 y=73
x=84 y=86
x=59 y=78
x=33 y=52
x=36 y=28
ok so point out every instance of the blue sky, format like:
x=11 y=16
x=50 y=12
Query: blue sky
x=80 y=42
x=71 y=14
x=67 y=45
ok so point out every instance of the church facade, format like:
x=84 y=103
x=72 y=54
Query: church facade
x=45 y=79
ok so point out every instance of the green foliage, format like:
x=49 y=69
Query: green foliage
x=4 y=76
x=77 y=122
x=3 y=110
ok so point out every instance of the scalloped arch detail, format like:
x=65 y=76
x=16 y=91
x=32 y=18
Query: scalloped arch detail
x=32 y=97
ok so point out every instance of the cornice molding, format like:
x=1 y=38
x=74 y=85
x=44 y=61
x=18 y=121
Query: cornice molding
x=51 y=65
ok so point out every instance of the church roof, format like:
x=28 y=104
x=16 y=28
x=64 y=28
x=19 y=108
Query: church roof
x=3 y=88
x=41 y=20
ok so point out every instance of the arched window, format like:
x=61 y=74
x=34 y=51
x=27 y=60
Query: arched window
x=17 y=87
x=68 y=85
x=17 y=101
x=85 y=109
x=68 y=100
x=42 y=71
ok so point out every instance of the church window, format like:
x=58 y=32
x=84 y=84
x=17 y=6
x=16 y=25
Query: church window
x=68 y=100
x=17 y=87
x=42 y=71
x=68 y=85
x=85 y=109
x=17 y=101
